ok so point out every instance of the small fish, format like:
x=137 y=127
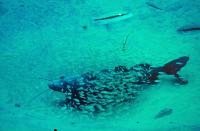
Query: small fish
x=111 y=17
x=164 y=112
x=125 y=42
x=153 y=5
x=189 y=29
x=114 y=17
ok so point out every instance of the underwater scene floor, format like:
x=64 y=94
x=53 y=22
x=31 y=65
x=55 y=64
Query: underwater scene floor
x=44 y=40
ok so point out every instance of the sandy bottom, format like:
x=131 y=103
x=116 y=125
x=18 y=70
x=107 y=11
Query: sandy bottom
x=46 y=39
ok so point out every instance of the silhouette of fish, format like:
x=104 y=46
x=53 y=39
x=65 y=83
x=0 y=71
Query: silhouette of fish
x=164 y=112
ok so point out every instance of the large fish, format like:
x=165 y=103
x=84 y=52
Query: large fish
x=101 y=91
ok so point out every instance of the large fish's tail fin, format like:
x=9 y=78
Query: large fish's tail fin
x=171 y=68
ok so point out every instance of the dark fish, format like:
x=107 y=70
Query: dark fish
x=111 y=17
x=164 y=112
x=189 y=29
x=153 y=5
x=114 y=17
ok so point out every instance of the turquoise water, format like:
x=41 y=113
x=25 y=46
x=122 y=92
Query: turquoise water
x=43 y=40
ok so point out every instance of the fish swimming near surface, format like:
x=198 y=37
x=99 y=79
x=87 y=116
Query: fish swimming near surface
x=101 y=91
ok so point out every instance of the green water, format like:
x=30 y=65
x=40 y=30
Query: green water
x=46 y=39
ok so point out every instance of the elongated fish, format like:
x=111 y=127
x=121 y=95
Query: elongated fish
x=153 y=5
x=113 y=17
x=188 y=28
